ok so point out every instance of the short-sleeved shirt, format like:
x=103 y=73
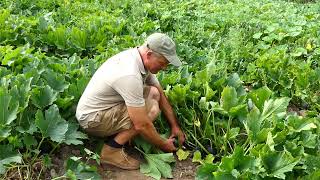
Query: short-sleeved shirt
x=120 y=79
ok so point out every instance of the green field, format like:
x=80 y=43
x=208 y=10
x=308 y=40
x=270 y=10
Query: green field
x=247 y=94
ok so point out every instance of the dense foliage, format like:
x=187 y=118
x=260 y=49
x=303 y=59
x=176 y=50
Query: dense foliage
x=248 y=92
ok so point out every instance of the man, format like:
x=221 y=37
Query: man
x=124 y=97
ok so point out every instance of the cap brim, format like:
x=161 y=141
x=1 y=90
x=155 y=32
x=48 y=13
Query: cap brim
x=174 y=60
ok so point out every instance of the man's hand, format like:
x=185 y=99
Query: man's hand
x=169 y=146
x=170 y=116
x=177 y=132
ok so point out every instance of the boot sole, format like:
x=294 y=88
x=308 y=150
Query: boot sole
x=118 y=166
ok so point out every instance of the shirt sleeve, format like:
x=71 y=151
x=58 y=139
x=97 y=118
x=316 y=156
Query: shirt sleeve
x=130 y=89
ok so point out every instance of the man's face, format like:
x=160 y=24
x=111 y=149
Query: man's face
x=157 y=62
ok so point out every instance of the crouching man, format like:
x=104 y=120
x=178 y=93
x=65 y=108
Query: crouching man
x=124 y=97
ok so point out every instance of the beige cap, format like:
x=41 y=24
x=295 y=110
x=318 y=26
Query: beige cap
x=164 y=45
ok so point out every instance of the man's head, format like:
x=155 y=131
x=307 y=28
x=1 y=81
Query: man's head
x=160 y=51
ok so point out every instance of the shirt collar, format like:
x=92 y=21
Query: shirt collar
x=138 y=58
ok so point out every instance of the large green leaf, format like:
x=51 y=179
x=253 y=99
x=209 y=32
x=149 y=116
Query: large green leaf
x=52 y=125
x=235 y=81
x=76 y=169
x=29 y=141
x=201 y=77
x=229 y=98
x=243 y=162
x=227 y=164
x=76 y=88
x=26 y=122
x=312 y=163
x=277 y=107
x=281 y=136
x=240 y=111
x=218 y=175
x=298 y=123
x=58 y=37
x=43 y=96
x=238 y=161
x=294 y=148
x=8 y=156
x=232 y=134
x=178 y=93
x=78 y=38
x=217 y=108
x=11 y=57
x=56 y=81
x=65 y=102
x=158 y=165
x=204 y=104
x=73 y=136
x=209 y=93
x=142 y=143
x=21 y=90
x=253 y=123
x=278 y=163
x=4 y=132
x=270 y=141
x=205 y=171
x=8 y=107
x=259 y=96
x=4 y=71
x=309 y=140
x=262 y=135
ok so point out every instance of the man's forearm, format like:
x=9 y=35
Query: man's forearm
x=144 y=126
x=170 y=116
x=149 y=132
x=167 y=109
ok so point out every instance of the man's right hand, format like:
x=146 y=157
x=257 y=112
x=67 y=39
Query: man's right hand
x=169 y=145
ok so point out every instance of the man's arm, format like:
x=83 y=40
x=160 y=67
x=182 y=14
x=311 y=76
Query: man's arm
x=170 y=116
x=144 y=126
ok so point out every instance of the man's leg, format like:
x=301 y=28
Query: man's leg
x=152 y=99
x=112 y=152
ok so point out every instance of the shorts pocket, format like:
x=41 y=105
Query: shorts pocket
x=96 y=121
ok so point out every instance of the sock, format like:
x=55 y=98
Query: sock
x=111 y=142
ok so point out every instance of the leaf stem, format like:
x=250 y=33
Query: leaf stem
x=227 y=135
x=140 y=150
x=60 y=177
x=54 y=148
x=196 y=140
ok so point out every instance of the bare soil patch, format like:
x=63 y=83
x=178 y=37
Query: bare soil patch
x=182 y=170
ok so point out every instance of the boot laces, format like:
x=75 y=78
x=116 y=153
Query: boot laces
x=124 y=154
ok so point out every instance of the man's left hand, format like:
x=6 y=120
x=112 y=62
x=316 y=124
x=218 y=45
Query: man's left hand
x=177 y=132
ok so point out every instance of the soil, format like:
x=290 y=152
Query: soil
x=182 y=170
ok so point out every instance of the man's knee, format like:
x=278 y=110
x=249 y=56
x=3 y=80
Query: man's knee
x=152 y=101
x=154 y=93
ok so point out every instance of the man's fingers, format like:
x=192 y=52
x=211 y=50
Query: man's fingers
x=182 y=138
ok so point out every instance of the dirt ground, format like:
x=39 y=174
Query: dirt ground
x=182 y=170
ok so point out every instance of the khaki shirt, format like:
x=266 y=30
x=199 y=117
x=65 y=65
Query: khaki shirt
x=120 y=79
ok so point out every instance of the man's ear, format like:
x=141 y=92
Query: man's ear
x=149 y=54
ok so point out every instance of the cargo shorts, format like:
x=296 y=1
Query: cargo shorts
x=112 y=121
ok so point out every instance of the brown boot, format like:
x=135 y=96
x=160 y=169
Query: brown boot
x=118 y=158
